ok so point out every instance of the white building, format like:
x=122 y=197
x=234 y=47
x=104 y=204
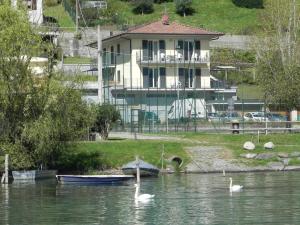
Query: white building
x=148 y=67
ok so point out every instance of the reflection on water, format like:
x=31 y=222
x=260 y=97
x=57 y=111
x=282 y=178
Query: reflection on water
x=268 y=198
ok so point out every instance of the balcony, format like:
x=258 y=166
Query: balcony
x=178 y=58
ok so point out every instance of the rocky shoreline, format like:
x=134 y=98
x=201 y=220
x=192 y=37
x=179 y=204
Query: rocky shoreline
x=217 y=159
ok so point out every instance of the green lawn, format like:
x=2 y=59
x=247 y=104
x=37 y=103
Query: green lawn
x=248 y=92
x=88 y=156
x=215 y=15
x=77 y=60
x=58 y=12
x=80 y=78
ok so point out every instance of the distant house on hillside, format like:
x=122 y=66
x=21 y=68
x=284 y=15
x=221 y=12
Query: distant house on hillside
x=35 y=10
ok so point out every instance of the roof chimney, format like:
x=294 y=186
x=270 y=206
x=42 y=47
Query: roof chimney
x=165 y=19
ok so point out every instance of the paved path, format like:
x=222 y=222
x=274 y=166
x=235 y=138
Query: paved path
x=212 y=159
x=139 y=136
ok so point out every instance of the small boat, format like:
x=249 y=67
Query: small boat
x=93 y=179
x=146 y=169
x=33 y=174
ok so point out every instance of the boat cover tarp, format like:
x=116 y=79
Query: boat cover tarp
x=142 y=165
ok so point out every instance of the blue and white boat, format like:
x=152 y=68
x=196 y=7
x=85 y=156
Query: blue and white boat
x=93 y=179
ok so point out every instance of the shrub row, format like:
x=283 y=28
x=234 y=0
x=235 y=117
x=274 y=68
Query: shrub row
x=249 y=3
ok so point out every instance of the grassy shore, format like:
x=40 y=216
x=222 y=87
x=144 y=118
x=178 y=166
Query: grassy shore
x=93 y=156
x=112 y=154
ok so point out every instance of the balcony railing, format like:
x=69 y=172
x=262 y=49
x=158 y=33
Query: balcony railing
x=163 y=58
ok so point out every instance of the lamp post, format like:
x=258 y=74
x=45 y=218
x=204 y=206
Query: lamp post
x=179 y=104
x=178 y=85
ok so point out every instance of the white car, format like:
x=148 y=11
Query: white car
x=255 y=116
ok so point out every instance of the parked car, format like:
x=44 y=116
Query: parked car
x=230 y=116
x=276 y=117
x=213 y=117
x=255 y=116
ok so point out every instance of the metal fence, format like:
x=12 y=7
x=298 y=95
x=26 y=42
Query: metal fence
x=70 y=9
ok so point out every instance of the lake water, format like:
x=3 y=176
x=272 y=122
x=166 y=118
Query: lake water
x=268 y=198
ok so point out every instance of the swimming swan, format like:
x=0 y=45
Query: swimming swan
x=234 y=188
x=142 y=197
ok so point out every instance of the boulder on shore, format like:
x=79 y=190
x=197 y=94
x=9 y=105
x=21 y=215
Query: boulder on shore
x=264 y=156
x=269 y=145
x=282 y=155
x=248 y=145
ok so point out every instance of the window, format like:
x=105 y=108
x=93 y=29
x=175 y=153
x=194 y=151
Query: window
x=162 y=73
x=197 y=45
x=185 y=48
x=112 y=55
x=197 y=52
x=198 y=78
x=31 y=4
x=145 y=49
x=154 y=77
x=118 y=76
x=104 y=54
x=180 y=45
x=153 y=50
x=186 y=77
x=162 y=45
x=118 y=49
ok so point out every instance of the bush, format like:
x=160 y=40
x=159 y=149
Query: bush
x=106 y=116
x=249 y=3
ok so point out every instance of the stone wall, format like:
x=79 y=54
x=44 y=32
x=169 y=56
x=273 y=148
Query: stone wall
x=241 y=42
x=78 y=47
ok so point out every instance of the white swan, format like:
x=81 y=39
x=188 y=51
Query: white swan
x=142 y=197
x=234 y=188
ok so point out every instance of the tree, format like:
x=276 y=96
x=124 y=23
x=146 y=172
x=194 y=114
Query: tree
x=106 y=115
x=65 y=118
x=278 y=54
x=18 y=44
x=143 y=6
x=184 y=7
x=39 y=115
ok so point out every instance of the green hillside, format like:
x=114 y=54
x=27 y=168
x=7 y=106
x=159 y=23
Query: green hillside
x=216 y=15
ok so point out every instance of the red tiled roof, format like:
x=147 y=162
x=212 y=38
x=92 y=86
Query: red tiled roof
x=160 y=28
x=174 y=28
